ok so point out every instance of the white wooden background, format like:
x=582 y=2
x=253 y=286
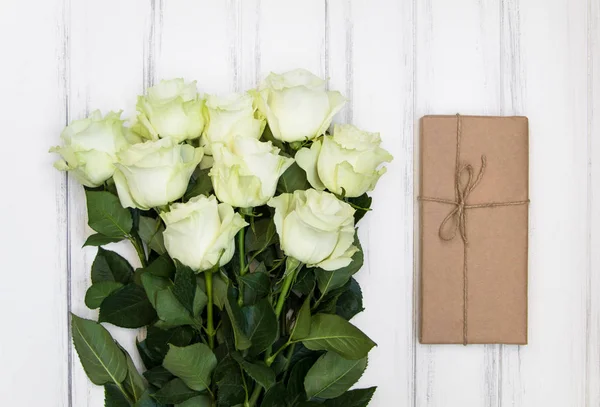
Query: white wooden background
x=396 y=60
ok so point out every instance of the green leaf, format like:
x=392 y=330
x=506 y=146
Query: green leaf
x=100 y=356
x=202 y=185
x=106 y=215
x=219 y=291
x=127 y=307
x=98 y=239
x=295 y=385
x=230 y=384
x=163 y=266
x=185 y=286
x=158 y=376
x=174 y=392
x=110 y=266
x=261 y=325
x=151 y=232
x=301 y=327
x=193 y=364
x=147 y=401
x=200 y=301
x=238 y=321
x=305 y=281
x=150 y=359
x=350 y=303
x=332 y=375
x=258 y=285
x=113 y=396
x=330 y=280
x=170 y=310
x=199 y=401
x=293 y=179
x=259 y=372
x=158 y=340
x=275 y=397
x=261 y=235
x=134 y=384
x=334 y=333
x=362 y=205
x=352 y=398
x=99 y=291
x=153 y=284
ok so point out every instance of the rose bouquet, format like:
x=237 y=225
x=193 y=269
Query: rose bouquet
x=243 y=212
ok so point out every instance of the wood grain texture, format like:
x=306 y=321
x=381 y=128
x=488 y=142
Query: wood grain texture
x=395 y=60
x=593 y=212
x=555 y=76
x=34 y=344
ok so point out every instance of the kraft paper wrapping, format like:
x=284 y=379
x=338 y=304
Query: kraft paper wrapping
x=489 y=285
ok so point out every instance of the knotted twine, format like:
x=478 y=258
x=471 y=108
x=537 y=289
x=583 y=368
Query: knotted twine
x=458 y=214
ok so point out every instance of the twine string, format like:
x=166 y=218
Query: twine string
x=456 y=220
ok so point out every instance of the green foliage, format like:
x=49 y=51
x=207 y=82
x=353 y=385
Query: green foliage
x=293 y=179
x=184 y=288
x=98 y=239
x=106 y=215
x=193 y=364
x=102 y=360
x=99 y=291
x=301 y=328
x=362 y=205
x=127 y=307
x=199 y=185
x=175 y=392
x=151 y=232
x=334 y=333
x=111 y=266
x=332 y=375
x=330 y=280
x=352 y=398
x=308 y=356
x=113 y=397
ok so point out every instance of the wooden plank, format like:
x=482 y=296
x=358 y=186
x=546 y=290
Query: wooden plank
x=34 y=348
x=555 y=84
x=511 y=103
x=378 y=81
x=198 y=42
x=292 y=35
x=107 y=68
x=457 y=70
x=593 y=277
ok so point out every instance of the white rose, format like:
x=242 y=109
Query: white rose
x=154 y=173
x=297 y=105
x=91 y=145
x=228 y=116
x=201 y=232
x=245 y=173
x=345 y=163
x=170 y=109
x=315 y=228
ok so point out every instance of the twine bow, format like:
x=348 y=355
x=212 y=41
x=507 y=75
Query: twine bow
x=458 y=215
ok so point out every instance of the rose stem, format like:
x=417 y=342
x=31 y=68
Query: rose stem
x=210 y=330
x=241 y=238
x=137 y=244
x=291 y=268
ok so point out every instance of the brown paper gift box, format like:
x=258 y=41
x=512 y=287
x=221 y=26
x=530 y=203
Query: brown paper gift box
x=474 y=231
